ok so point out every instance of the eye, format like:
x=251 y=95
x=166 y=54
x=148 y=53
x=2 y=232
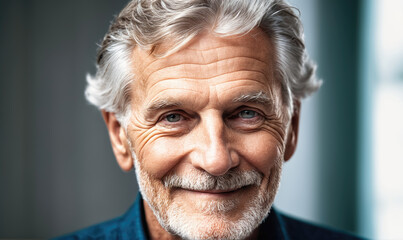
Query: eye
x=176 y=122
x=246 y=119
x=247 y=114
x=173 y=117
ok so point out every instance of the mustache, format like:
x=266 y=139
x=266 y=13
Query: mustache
x=203 y=181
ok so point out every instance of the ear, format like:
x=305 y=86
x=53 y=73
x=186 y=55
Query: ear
x=292 y=137
x=119 y=142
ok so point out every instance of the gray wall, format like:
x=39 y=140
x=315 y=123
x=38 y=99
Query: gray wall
x=57 y=170
x=338 y=121
x=320 y=182
x=299 y=190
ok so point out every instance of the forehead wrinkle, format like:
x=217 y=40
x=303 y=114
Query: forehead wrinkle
x=212 y=78
x=193 y=69
x=243 y=79
x=230 y=51
x=248 y=78
x=166 y=96
x=204 y=61
x=187 y=55
x=248 y=75
x=248 y=45
x=216 y=48
x=161 y=81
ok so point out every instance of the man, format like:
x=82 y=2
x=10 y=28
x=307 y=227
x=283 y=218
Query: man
x=202 y=99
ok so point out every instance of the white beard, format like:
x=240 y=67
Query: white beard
x=211 y=222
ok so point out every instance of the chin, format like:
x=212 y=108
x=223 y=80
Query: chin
x=189 y=225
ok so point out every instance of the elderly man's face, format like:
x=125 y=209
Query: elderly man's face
x=210 y=133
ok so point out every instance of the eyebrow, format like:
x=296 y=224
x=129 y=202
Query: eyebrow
x=257 y=97
x=163 y=104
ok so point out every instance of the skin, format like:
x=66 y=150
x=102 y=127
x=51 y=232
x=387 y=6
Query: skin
x=187 y=116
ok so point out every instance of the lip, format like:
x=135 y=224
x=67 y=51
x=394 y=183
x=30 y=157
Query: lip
x=215 y=193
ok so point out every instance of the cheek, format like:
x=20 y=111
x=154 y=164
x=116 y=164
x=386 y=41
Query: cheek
x=261 y=150
x=160 y=154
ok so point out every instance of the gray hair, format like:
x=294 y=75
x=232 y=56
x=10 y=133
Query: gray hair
x=149 y=23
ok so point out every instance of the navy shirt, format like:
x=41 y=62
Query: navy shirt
x=132 y=225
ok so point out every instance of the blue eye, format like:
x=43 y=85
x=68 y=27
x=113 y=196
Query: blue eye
x=247 y=114
x=174 y=117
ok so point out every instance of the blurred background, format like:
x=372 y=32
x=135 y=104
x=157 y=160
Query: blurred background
x=58 y=173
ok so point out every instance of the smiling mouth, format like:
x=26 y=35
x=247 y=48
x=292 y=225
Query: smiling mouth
x=215 y=191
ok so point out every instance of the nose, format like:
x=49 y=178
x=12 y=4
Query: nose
x=213 y=151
